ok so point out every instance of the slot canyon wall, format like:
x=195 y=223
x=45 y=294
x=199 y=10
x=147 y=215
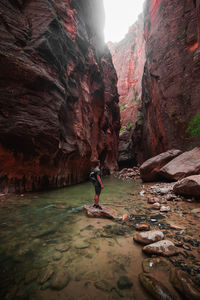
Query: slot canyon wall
x=128 y=58
x=170 y=79
x=58 y=96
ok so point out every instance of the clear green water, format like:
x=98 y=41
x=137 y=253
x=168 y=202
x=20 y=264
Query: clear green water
x=43 y=234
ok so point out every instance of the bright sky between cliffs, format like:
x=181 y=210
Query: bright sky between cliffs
x=120 y=15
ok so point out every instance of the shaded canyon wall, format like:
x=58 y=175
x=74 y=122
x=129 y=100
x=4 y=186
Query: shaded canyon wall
x=171 y=80
x=58 y=96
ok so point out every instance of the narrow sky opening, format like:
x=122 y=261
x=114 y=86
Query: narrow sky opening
x=120 y=15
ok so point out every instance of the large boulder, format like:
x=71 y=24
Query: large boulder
x=189 y=186
x=149 y=170
x=182 y=166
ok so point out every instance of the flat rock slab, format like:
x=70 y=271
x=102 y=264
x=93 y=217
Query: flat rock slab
x=105 y=212
x=164 y=247
x=148 y=237
x=189 y=186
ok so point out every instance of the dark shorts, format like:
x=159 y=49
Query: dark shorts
x=97 y=189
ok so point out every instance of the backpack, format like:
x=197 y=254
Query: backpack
x=92 y=177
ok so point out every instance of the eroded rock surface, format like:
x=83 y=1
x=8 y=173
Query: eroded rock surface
x=171 y=77
x=58 y=92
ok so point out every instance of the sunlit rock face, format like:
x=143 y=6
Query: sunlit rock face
x=128 y=58
x=171 y=81
x=58 y=98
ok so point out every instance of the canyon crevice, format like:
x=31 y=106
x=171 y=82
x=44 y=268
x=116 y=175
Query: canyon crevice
x=58 y=102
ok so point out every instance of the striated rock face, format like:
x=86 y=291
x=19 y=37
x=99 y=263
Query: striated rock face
x=58 y=94
x=171 y=81
x=129 y=57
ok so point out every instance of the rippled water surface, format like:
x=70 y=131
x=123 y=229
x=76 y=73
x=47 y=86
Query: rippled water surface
x=46 y=237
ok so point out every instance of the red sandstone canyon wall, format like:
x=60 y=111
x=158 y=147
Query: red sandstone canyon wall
x=128 y=58
x=171 y=80
x=58 y=96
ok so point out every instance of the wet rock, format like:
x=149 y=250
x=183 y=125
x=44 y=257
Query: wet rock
x=164 y=247
x=157 y=264
x=149 y=170
x=142 y=227
x=184 y=284
x=106 y=212
x=57 y=256
x=182 y=166
x=148 y=237
x=59 y=280
x=82 y=245
x=176 y=227
x=153 y=200
x=45 y=274
x=156 y=206
x=154 y=287
x=195 y=211
x=124 y=283
x=189 y=186
x=165 y=208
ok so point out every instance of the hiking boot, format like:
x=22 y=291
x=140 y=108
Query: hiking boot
x=99 y=207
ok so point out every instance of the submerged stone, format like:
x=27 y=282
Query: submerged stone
x=184 y=284
x=124 y=282
x=157 y=264
x=103 y=285
x=57 y=256
x=45 y=274
x=59 y=280
x=155 y=287
x=82 y=245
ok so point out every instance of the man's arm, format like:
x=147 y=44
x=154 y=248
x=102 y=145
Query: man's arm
x=100 y=182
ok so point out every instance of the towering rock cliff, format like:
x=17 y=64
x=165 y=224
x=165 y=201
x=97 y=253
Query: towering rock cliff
x=171 y=81
x=128 y=58
x=58 y=94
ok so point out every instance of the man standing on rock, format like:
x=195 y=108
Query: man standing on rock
x=98 y=185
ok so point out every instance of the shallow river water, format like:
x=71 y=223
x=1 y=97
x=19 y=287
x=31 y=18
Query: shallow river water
x=47 y=242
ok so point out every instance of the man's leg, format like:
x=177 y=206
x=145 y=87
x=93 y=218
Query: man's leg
x=96 y=199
